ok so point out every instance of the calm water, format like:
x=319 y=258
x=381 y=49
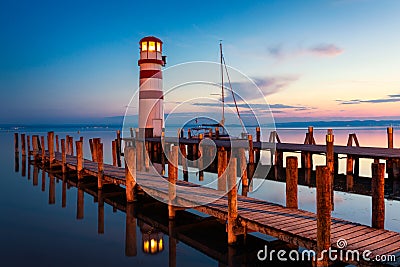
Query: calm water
x=35 y=233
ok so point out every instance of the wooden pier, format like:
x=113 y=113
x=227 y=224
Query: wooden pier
x=243 y=214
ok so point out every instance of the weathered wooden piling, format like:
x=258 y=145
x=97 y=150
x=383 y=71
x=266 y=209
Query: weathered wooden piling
x=378 y=195
x=389 y=162
x=217 y=133
x=330 y=162
x=182 y=148
x=222 y=163
x=100 y=165
x=114 y=152
x=16 y=145
x=130 y=173
x=257 y=150
x=172 y=178
x=139 y=155
x=23 y=145
x=200 y=157
x=251 y=150
x=64 y=156
x=232 y=201
x=28 y=143
x=57 y=143
x=95 y=143
x=71 y=145
x=35 y=147
x=292 y=177
x=243 y=167
x=43 y=150
x=50 y=146
x=349 y=173
x=79 y=157
x=323 y=184
x=118 y=144
x=189 y=134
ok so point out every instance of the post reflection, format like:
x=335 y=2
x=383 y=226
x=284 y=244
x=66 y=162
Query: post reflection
x=23 y=171
x=35 y=175
x=52 y=190
x=80 y=208
x=100 y=212
x=64 y=191
x=43 y=180
x=130 y=231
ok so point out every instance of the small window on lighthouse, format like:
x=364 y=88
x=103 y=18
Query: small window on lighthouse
x=158 y=47
x=144 y=46
x=152 y=46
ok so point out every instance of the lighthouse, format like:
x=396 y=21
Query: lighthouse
x=151 y=109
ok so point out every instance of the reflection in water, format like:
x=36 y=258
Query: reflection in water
x=64 y=191
x=23 y=171
x=100 y=212
x=130 y=231
x=52 y=190
x=79 y=206
x=35 y=175
x=43 y=180
x=152 y=239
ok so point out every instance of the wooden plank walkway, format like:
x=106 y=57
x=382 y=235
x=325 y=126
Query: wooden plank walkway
x=362 y=152
x=295 y=226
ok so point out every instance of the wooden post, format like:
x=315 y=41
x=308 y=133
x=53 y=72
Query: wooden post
x=91 y=149
x=130 y=173
x=323 y=183
x=139 y=156
x=349 y=173
x=64 y=156
x=23 y=145
x=163 y=154
x=57 y=144
x=222 y=163
x=389 y=162
x=243 y=167
x=118 y=148
x=172 y=178
x=16 y=146
x=43 y=150
x=232 y=201
x=182 y=148
x=146 y=156
x=330 y=162
x=216 y=132
x=378 y=195
x=71 y=145
x=200 y=156
x=28 y=142
x=189 y=134
x=96 y=143
x=79 y=157
x=291 y=182
x=50 y=145
x=100 y=165
x=35 y=147
x=251 y=150
x=114 y=153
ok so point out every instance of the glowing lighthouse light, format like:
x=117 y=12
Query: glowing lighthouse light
x=151 y=110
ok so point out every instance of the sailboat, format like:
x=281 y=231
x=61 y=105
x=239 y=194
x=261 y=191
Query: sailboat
x=212 y=128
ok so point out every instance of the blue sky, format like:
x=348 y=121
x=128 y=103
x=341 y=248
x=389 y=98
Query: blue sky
x=314 y=59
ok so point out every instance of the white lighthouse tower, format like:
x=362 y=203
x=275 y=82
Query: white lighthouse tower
x=151 y=109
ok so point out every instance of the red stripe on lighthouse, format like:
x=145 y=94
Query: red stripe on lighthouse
x=157 y=74
x=151 y=94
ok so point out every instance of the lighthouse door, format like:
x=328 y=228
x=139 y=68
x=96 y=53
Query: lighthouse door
x=157 y=127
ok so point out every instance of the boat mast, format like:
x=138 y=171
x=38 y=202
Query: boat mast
x=222 y=86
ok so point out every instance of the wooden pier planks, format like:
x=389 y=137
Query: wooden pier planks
x=295 y=226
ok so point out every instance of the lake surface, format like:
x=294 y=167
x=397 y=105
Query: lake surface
x=36 y=233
